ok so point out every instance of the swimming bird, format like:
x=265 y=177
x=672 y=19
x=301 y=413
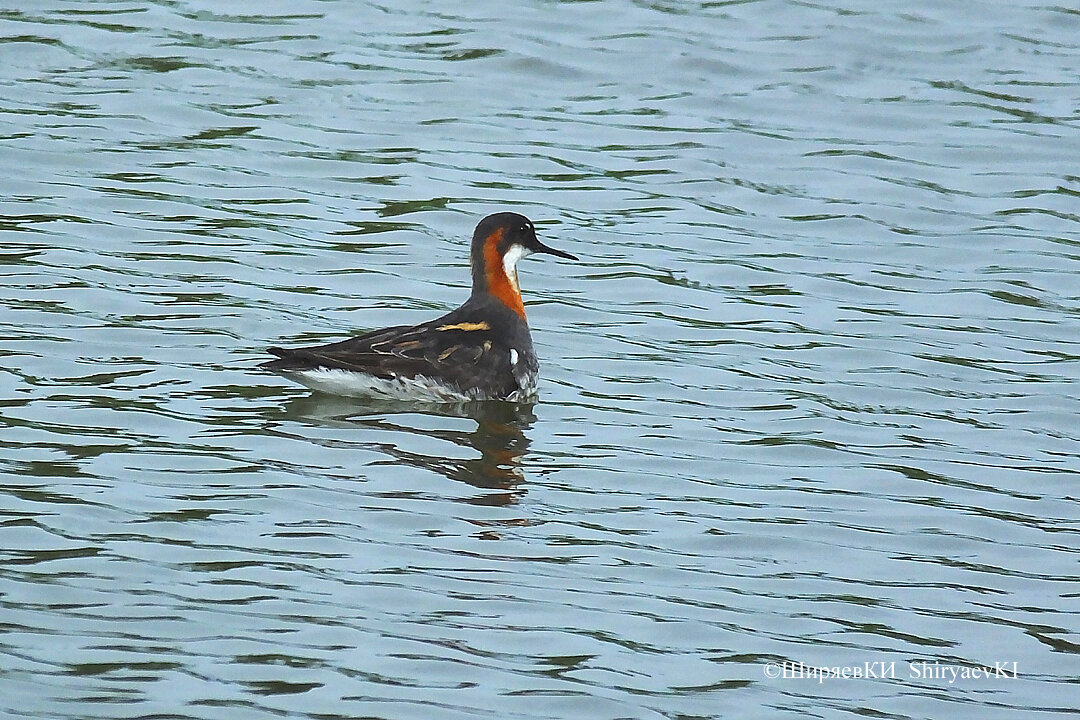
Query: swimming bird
x=481 y=351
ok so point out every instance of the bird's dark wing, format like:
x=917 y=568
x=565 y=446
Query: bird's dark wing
x=458 y=352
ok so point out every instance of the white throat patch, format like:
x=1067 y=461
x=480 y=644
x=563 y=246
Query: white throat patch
x=510 y=261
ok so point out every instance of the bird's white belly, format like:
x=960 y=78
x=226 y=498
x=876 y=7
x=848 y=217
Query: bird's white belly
x=354 y=384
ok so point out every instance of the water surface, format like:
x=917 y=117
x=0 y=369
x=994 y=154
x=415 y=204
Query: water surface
x=809 y=397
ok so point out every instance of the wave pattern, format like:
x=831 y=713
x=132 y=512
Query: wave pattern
x=810 y=397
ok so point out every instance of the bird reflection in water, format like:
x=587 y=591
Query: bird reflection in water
x=500 y=438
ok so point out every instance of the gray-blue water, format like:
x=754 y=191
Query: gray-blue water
x=811 y=395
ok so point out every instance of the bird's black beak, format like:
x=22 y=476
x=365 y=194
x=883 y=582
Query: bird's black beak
x=542 y=248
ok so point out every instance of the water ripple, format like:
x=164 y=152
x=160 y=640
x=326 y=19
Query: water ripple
x=809 y=396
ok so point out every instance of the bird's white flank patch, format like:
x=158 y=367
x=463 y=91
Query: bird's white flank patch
x=424 y=389
x=343 y=382
x=513 y=356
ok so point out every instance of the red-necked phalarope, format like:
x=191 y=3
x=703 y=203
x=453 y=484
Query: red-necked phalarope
x=482 y=350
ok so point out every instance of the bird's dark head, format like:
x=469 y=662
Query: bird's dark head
x=500 y=240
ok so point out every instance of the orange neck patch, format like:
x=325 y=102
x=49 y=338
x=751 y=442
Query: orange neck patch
x=498 y=284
